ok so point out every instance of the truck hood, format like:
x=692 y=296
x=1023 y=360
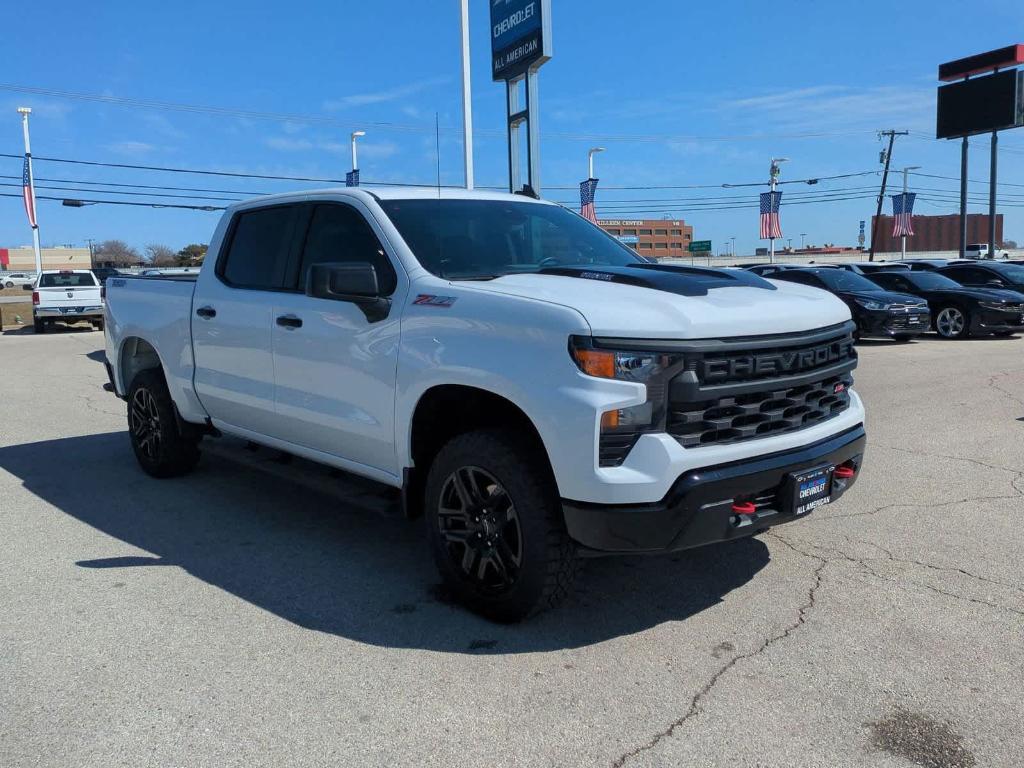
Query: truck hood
x=663 y=301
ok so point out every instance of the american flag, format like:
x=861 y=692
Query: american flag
x=27 y=194
x=352 y=178
x=587 y=190
x=903 y=214
x=770 y=227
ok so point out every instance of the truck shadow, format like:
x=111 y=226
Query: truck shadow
x=350 y=567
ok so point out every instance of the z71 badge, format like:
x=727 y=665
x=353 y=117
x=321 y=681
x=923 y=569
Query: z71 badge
x=434 y=301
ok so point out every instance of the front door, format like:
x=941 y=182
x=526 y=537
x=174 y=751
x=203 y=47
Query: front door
x=335 y=370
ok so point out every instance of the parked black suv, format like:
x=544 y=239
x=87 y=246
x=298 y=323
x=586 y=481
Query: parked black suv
x=876 y=311
x=958 y=311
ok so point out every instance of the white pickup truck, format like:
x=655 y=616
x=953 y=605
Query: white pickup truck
x=66 y=294
x=532 y=386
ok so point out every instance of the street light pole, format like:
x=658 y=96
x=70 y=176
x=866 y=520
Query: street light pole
x=355 y=159
x=802 y=236
x=467 y=99
x=773 y=180
x=590 y=160
x=25 y=112
x=733 y=239
x=903 y=238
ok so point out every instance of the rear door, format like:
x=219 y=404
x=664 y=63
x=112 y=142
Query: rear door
x=335 y=369
x=232 y=318
x=68 y=291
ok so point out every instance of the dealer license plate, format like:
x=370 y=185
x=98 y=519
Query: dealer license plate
x=811 y=489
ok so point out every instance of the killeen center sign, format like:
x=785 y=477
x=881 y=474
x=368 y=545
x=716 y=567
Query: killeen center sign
x=520 y=36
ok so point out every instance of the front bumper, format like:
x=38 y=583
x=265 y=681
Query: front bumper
x=888 y=324
x=995 y=321
x=70 y=313
x=697 y=510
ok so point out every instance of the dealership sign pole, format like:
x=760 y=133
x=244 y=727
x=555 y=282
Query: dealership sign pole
x=520 y=45
x=977 y=105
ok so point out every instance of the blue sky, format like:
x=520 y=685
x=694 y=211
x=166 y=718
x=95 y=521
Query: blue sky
x=680 y=93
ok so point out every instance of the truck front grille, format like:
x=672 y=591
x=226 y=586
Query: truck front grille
x=764 y=386
x=758 y=414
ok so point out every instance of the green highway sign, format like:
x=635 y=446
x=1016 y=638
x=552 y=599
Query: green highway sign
x=699 y=246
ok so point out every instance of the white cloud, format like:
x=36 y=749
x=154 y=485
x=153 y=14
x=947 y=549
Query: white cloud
x=381 y=96
x=131 y=148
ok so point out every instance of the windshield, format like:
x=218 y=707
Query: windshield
x=841 y=280
x=931 y=281
x=478 y=239
x=1014 y=272
x=68 y=280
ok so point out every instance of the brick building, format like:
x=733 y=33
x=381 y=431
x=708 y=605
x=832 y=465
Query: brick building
x=938 y=233
x=660 y=238
x=24 y=259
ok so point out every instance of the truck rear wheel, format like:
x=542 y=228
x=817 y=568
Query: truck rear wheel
x=496 y=528
x=159 y=445
x=39 y=326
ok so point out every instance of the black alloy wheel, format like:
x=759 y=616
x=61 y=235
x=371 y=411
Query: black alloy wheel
x=478 y=521
x=164 y=445
x=144 y=423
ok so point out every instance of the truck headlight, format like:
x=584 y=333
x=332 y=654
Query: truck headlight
x=872 y=304
x=621 y=427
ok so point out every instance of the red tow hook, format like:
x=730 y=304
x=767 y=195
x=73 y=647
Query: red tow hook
x=844 y=472
x=744 y=508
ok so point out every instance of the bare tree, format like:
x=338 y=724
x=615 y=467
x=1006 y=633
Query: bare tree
x=158 y=255
x=115 y=253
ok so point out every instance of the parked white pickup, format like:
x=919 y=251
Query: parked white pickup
x=69 y=295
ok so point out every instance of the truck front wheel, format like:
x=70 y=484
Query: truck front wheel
x=160 y=447
x=496 y=527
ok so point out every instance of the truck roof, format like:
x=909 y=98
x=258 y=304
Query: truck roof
x=391 y=193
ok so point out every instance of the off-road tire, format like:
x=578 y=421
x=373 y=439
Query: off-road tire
x=39 y=326
x=151 y=414
x=548 y=563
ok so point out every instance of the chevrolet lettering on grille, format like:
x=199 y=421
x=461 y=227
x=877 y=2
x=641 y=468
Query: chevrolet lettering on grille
x=774 y=363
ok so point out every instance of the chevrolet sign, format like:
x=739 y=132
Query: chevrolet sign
x=777 y=363
x=520 y=36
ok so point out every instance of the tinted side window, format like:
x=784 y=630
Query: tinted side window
x=969 y=275
x=801 y=277
x=339 y=233
x=258 y=250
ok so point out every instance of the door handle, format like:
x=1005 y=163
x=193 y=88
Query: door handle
x=206 y=312
x=289 y=321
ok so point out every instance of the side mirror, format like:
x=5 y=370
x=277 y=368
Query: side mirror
x=354 y=282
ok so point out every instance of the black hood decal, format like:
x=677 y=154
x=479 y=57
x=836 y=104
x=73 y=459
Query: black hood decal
x=680 y=280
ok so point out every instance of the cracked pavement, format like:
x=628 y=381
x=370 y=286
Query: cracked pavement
x=259 y=613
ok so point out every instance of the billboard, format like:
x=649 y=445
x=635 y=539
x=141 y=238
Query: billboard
x=520 y=36
x=980 y=105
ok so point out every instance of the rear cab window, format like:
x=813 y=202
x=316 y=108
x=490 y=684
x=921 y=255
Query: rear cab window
x=68 y=280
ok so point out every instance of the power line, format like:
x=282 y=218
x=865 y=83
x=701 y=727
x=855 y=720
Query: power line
x=237 y=174
x=124 y=202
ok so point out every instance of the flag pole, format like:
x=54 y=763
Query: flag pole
x=25 y=112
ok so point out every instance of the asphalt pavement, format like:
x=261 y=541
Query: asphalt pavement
x=266 y=613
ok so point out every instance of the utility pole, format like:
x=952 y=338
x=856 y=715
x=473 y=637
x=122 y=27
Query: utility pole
x=963 y=198
x=903 y=238
x=89 y=240
x=881 y=195
x=802 y=236
x=992 y=197
x=31 y=199
x=467 y=99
